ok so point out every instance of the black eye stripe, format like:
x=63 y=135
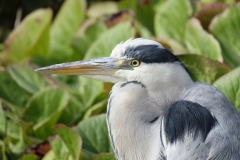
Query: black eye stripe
x=150 y=54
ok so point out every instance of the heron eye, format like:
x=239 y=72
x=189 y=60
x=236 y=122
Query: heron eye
x=135 y=63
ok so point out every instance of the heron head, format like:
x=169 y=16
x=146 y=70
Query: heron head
x=139 y=59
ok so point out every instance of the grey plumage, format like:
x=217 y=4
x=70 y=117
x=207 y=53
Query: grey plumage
x=155 y=111
x=222 y=142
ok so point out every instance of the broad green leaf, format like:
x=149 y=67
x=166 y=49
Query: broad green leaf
x=9 y=122
x=207 y=12
x=129 y=5
x=207 y=1
x=229 y=84
x=104 y=156
x=41 y=47
x=25 y=77
x=50 y=155
x=200 y=42
x=94 y=135
x=226 y=29
x=94 y=30
x=98 y=108
x=13 y=129
x=99 y=9
x=44 y=110
x=204 y=69
x=73 y=112
x=90 y=89
x=171 y=18
x=232 y=2
x=83 y=40
x=23 y=140
x=172 y=45
x=60 y=151
x=1 y=47
x=119 y=17
x=11 y=92
x=27 y=35
x=30 y=157
x=104 y=44
x=3 y=120
x=71 y=139
x=143 y=31
x=70 y=83
x=3 y=155
x=145 y=15
x=40 y=61
x=64 y=28
x=65 y=146
x=84 y=156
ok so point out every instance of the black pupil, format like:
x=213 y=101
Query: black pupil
x=135 y=63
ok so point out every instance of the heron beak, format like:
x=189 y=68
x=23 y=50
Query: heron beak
x=94 y=68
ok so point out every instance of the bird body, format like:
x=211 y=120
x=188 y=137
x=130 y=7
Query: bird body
x=151 y=142
x=155 y=111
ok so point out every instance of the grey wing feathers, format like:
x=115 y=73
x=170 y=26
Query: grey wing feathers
x=193 y=130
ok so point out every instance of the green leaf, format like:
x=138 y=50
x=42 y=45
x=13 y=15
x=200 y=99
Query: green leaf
x=9 y=125
x=3 y=120
x=90 y=89
x=71 y=139
x=94 y=135
x=30 y=157
x=115 y=35
x=128 y=5
x=50 y=155
x=145 y=15
x=96 y=109
x=28 y=34
x=172 y=45
x=228 y=1
x=99 y=9
x=13 y=129
x=72 y=113
x=207 y=12
x=104 y=156
x=83 y=40
x=11 y=92
x=44 y=110
x=229 y=84
x=143 y=31
x=198 y=41
x=60 y=151
x=226 y=29
x=65 y=146
x=171 y=18
x=207 y=1
x=84 y=156
x=40 y=48
x=23 y=140
x=64 y=28
x=25 y=77
x=3 y=151
x=204 y=69
x=70 y=83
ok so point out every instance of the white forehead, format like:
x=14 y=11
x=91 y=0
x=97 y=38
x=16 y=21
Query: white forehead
x=120 y=48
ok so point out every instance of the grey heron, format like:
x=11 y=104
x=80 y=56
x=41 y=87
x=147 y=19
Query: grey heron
x=155 y=111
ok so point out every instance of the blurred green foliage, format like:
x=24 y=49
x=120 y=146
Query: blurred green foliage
x=63 y=117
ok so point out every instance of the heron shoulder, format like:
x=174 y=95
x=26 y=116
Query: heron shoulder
x=210 y=97
x=187 y=118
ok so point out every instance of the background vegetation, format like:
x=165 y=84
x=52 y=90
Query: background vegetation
x=53 y=117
